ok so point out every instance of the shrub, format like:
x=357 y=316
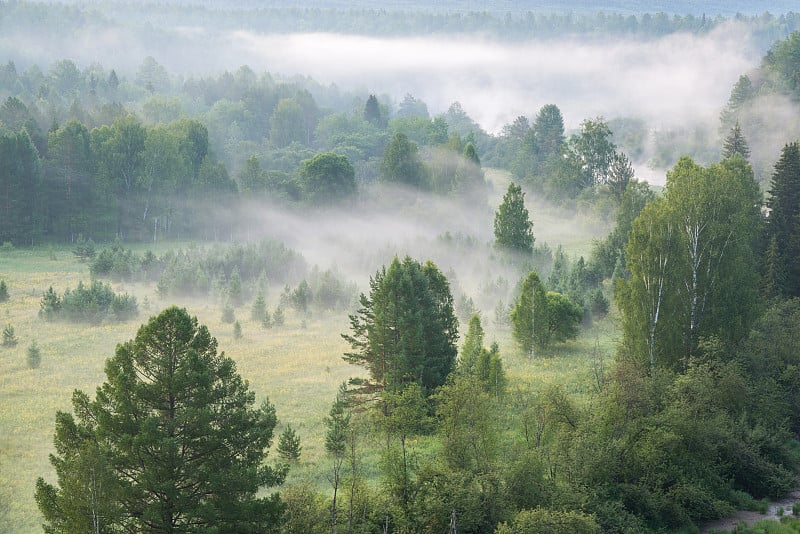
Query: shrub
x=9 y=339
x=34 y=356
x=88 y=304
x=289 y=445
x=50 y=305
x=228 y=315
x=84 y=249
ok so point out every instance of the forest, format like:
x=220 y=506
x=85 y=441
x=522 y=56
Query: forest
x=408 y=297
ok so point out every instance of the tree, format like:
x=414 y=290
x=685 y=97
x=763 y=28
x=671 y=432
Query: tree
x=401 y=164
x=287 y=124
x=529 y=319
x=735 y=143
x=3 y=291
x=692 y=263
x=170 y=443
x=473 y=344
x=289 y=444
x=513 y=229
x=9 y=338
x=783 y=221
x=405 y=331
x=34 y=356
x=372 y=111
x=337 y=426
x=563 y=317
x=327 y=178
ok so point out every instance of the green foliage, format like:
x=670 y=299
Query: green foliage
x=228 y=313
x=564 y=317
x=289 y=445
x=689 y=277
x=88 y=304
x=513 y=229
x=529 y=318
x=405 y=330
x=50 y=305
x=119 y=460
x=469 y=425
x=33 y=356
x=235 y=288
x=305 y=510
x=258 y=310
x=327 y=178
x=783 y=202
x=544 y=521
x=401 y=164
x=3 y=291
x=9 y=338
x=237 y=330
x=278 y=317
x=735 y=143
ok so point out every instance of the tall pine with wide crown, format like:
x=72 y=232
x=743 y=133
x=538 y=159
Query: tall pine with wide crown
x=171 y=443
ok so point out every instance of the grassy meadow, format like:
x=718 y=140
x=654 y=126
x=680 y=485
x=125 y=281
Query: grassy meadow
x=297 y=366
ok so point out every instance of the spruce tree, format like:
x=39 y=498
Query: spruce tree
x=3 y=291
x=783 y=202
x=513 y=229
x=9 y=338
x=405 y=330
x=289 y=445
x=735 y=143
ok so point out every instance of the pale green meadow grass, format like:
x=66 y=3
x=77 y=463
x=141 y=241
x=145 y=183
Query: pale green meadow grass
x=298 y=366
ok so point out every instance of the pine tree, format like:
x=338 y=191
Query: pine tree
x=372 y=111
x=235 y=288
x=513 y=229
x=9 y=338
x=289 y=445
x=34 y=357
x=735 y=143
x=171 y=442
x=3 y=291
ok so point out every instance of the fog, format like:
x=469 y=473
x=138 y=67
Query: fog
x=667 y=81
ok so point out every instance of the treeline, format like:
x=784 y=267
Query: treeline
x=504 y=23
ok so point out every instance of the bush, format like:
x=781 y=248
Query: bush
x=228 y=315
x=50 y=305
x=546 y=521
x=3 y=291
x=34 y=356
x=289 y=445
x=84 y=249
x=88 y=304
x=9 y=339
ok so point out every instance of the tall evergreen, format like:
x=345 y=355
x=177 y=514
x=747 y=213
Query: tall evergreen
x=405 y=330
x=513 y=229
x=783 y=221
x=735 y=143
x=171 y=443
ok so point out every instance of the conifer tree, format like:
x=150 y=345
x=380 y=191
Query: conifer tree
x=3 y=291
x=171 y=442
x=735 y=143
x=783 y=221
x=513 y=229
x=405 y=330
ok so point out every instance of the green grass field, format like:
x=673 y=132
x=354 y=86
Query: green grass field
x=297 y=366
